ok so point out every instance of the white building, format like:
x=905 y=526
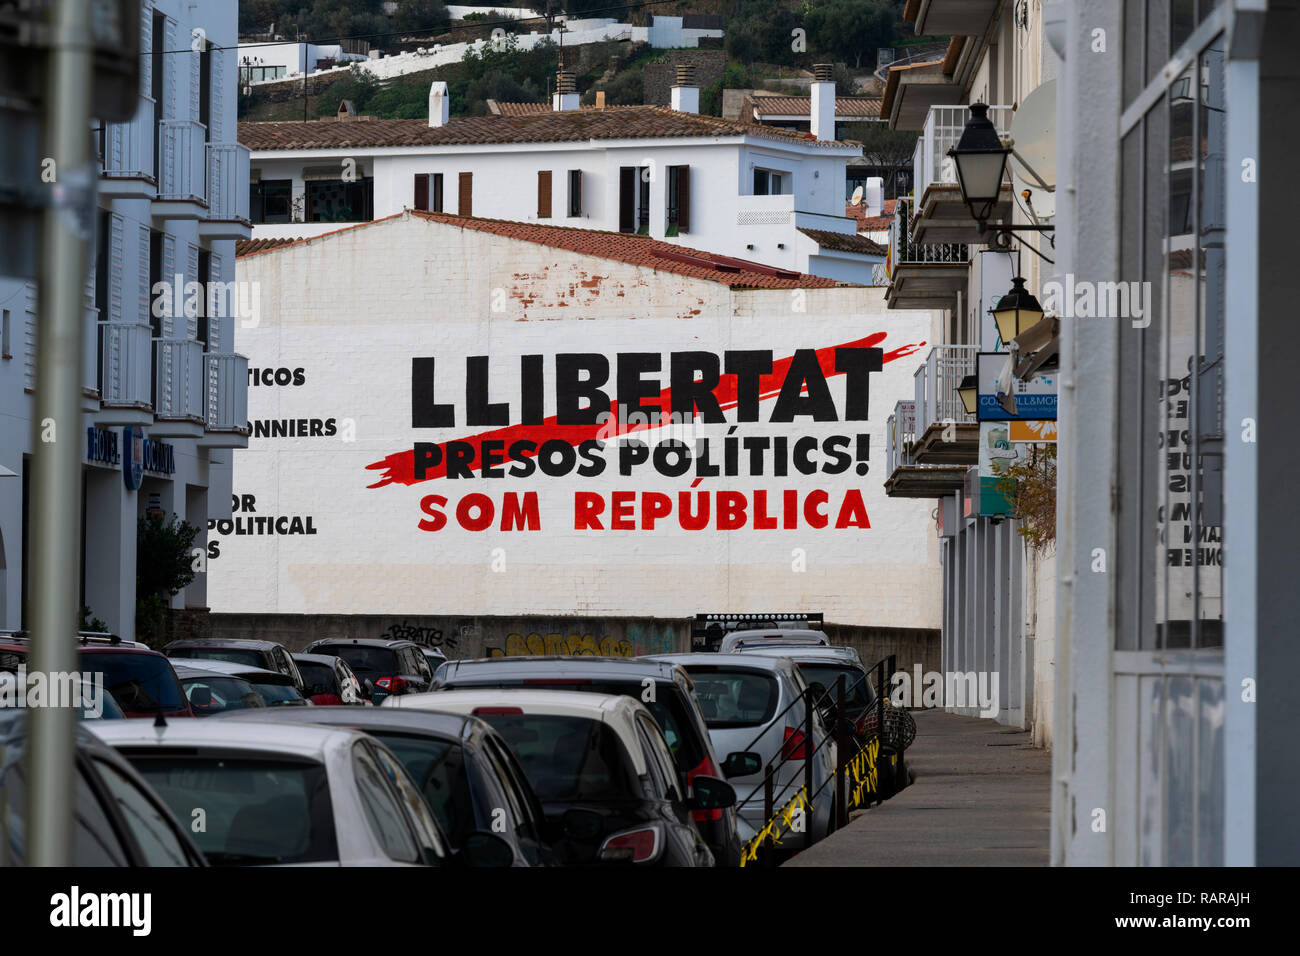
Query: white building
x=754 y=192
x=161 y=383
x=379 y=336
x=262 y=61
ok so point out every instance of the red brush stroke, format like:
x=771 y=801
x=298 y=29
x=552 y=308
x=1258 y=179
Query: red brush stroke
x=399 y=468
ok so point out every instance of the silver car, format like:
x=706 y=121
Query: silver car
x=738 y=639
x=751 y=704
x=282 y=794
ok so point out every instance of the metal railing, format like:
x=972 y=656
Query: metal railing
x=178 y=380
x=128 y=149
x=900 y=433
x=936 y=384
x=125 y=374
x=182 y=172
x=904 y=251
x=228 y=178
x=931 y=163
x=227 y=392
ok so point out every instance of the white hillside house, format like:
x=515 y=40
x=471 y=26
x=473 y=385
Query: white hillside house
x=768 y=195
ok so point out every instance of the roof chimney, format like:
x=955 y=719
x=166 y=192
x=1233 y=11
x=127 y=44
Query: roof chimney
x=874 y=196
x=686 y=95
x=566 y=96
x=439 y=103
x=823 y=101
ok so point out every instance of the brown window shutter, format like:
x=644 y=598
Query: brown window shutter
x=422 y=191
x=436 y=192
x=683 y=199
x=575 y=192
x=465 y=204
x=627 y=199
x=543 y=194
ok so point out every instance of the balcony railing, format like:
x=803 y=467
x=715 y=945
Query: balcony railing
x=178 y=380
x=775 y=210
x=227 y=393
x=125 y=378
x=904 y=251
x=943 y=127
x=182 y=173
x=936 y=381
x=128 y=150
x=900 y=433
x=228 y=178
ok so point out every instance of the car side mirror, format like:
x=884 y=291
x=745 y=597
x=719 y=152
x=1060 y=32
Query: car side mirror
x=742 y=763
x=483 y=849
x=710 y=793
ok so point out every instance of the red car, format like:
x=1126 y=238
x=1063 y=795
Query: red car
x=140 y=680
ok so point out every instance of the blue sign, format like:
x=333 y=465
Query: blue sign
x=133 y=467
x=101 y=446
x=159 y=457
x=1035 y=400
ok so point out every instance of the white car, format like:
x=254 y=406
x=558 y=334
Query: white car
x=256 y=794
x=602 y=770
x=773 y=635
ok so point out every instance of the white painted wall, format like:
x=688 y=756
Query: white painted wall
x=382 y=293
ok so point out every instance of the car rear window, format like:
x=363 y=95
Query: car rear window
x=212 y=695
x=232 y=655
x=366 y=662
x=254 y=811
x=278 y=695
x=438 y=768
x=735 y=698
x=669 y=708
x=140 y=683
x=858 y=690
x=318 y=678
x=568 y=759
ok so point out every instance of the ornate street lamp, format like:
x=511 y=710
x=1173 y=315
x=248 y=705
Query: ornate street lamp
x=1016 y=312
x=981 y=161
x=969 y=392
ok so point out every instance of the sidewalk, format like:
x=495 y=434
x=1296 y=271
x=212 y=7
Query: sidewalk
x=980 y=798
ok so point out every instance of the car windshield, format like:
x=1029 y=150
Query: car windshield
x=438 y=768
x=212 y=695
x=232 y=655
x=253 y=811
x=569 y=759
x=140 y=683
x=366 y=662
x=858 y=690
x=735 y=698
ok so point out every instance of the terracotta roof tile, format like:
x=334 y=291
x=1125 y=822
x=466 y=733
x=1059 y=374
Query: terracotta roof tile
x=245 y=247
x=616 y=122
x=844 y=242
x=622 y=247
x=874 y=223
x=864 y=107
x=517 y=109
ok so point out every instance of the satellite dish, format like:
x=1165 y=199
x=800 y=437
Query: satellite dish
x=1033 y=130
x=857 y=197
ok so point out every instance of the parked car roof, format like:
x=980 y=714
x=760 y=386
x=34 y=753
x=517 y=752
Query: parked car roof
x=327 y=659
x=483 y=668
x=203 y=665
x=300 y=741
x=451 y=725
x=791 y=635
x=803 y=652
x=758 y=662
x=364 y=641
x=224 y=642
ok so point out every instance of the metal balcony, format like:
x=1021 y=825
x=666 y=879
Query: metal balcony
x=940 y=216
x=923 y=275
x=182 y=179
x=945 y=433
x=179 y=397
x=227 y=193
x=226 y=382
x=909 y=478
x=125 y=374
x=127 y=156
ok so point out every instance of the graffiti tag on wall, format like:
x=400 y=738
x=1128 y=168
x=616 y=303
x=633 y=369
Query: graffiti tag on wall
x=579 y=645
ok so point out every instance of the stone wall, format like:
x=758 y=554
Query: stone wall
x=658 y=78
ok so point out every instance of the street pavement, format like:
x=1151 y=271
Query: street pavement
x=980 y=798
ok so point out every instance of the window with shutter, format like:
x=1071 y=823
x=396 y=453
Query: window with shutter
x=436 y=190
x=216 y=126
x=465 y=201
x=575 y=193
x=627 y=199
x=184 y=308
x=543 y=194
x=216 y=273
x=421 y=191
x=683 y=199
